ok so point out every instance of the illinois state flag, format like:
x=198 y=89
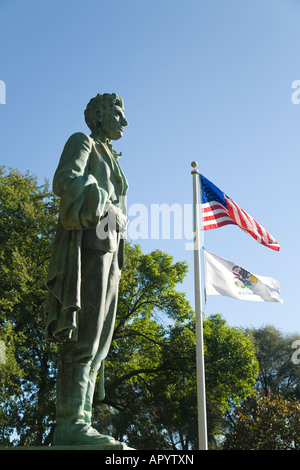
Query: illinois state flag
x=218 y=210
x=222 y=277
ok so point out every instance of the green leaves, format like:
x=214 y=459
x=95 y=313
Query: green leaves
x=148 y=286
x=272 y=424
x=28 y=215
x=231 y=364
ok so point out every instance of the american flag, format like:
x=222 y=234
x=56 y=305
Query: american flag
x=218 y=210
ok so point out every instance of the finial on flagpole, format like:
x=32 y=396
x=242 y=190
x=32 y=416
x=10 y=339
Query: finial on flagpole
x=194 y=165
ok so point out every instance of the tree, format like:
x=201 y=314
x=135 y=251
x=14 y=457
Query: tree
x=277 y=396
x=269 y=423
x=277 y=372
x=232 y=367
x=10 y=374
x=27 y=224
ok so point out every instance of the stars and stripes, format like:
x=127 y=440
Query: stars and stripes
x=218 y=210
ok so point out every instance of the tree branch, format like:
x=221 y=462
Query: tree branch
x=131 y=374
x=132 y=332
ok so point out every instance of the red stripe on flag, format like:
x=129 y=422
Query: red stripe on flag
x=219 y=224
x=249 y=225
x=213 y=207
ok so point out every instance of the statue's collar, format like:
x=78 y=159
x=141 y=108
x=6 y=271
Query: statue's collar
x=100 y=137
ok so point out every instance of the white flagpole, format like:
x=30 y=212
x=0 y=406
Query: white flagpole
x=201 y=396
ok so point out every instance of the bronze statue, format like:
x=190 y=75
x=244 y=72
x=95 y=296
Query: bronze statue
x=85 y=266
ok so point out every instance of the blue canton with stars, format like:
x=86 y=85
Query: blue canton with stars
x=210 y=192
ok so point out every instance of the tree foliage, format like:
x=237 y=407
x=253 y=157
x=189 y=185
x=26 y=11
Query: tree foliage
x=270 y=419
x=27 y=223
x=277 y=372
x=268 y=423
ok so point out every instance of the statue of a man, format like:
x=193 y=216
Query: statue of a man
x=85 y=265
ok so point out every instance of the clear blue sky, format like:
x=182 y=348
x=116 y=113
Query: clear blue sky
x=205 y=80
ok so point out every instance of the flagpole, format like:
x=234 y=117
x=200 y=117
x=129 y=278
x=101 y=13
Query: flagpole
x=201 y=396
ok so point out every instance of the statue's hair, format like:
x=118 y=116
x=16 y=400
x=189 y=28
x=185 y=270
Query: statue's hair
x=98 y=105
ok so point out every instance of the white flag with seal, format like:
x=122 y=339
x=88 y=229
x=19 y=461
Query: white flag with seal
x=226 y=278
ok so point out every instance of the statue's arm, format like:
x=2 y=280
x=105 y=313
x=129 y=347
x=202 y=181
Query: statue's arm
x=82 y=201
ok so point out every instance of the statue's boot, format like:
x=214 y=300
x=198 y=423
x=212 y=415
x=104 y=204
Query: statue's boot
x=72 y=419
x=88 y=404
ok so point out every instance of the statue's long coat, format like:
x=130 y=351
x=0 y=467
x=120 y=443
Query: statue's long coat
x=87 y=179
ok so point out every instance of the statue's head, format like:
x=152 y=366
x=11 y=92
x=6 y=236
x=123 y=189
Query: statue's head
x=105 y=112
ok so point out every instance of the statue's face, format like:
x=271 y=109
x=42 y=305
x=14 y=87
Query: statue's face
x=113 y=122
